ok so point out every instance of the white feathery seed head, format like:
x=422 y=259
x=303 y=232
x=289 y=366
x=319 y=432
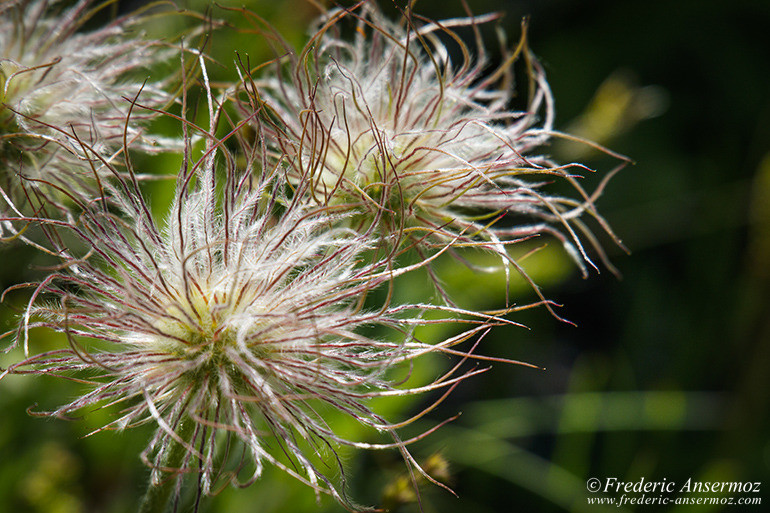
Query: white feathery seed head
x=243 y=319
x=404 y=124
x=62 y=86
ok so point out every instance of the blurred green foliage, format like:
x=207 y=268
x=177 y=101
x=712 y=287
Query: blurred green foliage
x=666 y=373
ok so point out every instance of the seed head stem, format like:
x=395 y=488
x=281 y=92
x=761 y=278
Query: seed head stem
x=156 y=498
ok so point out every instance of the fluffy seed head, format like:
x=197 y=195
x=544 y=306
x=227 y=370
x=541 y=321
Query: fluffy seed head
x=241 y=320
x=58 y=81
x=403 y=124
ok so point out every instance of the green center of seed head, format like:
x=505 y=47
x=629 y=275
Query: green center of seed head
x=11 y=87
x=5 y=114
x=204 y=336
x=367 y=172
x=209 y=349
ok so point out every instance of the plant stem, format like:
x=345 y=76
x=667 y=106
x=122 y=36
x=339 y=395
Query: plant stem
x=156 y=498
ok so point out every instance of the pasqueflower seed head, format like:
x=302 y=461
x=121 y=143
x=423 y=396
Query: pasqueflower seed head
x=243 y=320
x=405 y=125
x=61 y=85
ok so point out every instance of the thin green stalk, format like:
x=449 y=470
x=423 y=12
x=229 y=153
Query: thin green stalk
x=156 y=498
